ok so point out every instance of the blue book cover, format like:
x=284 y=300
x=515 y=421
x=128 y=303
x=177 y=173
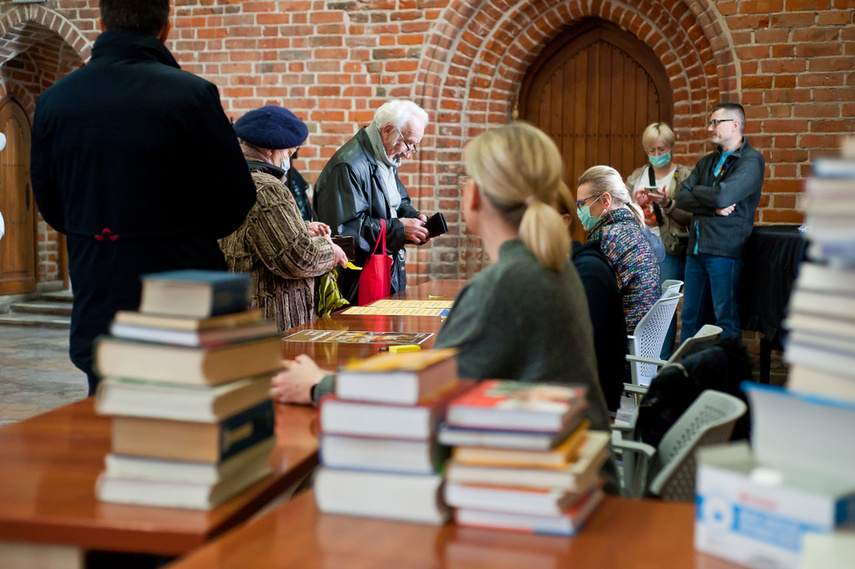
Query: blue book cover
x=195 y=292
x=251 y=426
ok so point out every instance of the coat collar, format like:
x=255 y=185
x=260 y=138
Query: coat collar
x=129 y=44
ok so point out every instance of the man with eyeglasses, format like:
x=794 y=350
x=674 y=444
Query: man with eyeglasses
x=359 y=187
x=722 y=193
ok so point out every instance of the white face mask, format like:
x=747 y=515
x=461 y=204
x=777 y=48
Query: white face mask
x=286 y=163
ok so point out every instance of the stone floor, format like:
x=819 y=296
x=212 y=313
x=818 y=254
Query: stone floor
x=35 y=372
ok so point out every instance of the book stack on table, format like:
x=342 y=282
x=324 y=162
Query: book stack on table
x=788 y=501
x=378 y=448
x=187 y=383
x=523 y=458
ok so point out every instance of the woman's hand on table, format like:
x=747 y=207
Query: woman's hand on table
x=294 y=383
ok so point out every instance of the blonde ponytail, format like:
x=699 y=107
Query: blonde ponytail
x=519 y=169
x=544 y=233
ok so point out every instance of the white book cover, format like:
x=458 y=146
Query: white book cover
x=802 y=432
x=405 y=497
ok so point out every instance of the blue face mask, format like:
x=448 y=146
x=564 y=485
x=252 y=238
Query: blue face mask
x=588 y=221
x=661 y=160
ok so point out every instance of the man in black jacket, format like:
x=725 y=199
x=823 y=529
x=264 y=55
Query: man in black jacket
x=135 y=162
x=359 y=187
x=722 y=193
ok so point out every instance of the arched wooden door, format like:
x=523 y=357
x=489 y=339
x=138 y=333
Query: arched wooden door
x=594 y=89
x=18 y=246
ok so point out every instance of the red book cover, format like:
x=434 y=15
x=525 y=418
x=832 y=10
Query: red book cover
x=503 y=404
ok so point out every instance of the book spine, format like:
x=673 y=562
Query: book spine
x=229 y=296
x=243 y=430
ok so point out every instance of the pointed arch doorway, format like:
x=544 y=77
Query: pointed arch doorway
x=594 y=89
x=18 y=245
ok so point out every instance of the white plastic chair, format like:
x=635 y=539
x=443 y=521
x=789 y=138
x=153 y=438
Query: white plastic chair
x=625 y=419
x=671 y=285
x=649 y=335
x=709 y=420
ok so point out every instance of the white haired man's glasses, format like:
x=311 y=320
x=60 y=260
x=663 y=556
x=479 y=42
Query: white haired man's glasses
x=410 y=149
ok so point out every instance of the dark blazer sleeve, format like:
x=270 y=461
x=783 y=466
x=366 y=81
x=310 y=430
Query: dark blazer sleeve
x=45 y=188
x=226 y=190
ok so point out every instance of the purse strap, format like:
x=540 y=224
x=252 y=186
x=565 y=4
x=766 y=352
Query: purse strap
x=381 y=238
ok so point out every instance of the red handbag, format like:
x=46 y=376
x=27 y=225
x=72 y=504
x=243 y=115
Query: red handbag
x=375 y=282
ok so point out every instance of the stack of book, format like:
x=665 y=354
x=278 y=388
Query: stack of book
x=187 y=383
x=784 y=503
x=379 y=453
x=523 y=458
x=821 y=314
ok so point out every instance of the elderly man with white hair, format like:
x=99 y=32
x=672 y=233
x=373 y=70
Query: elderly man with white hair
x=359 y=188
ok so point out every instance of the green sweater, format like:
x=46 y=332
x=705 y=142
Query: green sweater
x=518 y=320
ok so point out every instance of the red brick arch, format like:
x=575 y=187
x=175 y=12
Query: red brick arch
x=477 y=54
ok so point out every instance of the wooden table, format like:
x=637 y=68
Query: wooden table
x=49 y=465
x=331 y=355
x=632 y=534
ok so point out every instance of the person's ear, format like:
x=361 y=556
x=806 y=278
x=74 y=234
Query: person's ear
x=607 y=201
x=475 y=198
x=164 y=33
x=568 y=219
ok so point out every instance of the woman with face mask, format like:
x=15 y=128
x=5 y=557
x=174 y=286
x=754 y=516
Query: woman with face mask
x=605 y=211
x=654 y=187
x=282 y=252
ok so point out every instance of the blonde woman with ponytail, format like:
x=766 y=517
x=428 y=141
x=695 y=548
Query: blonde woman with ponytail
x=604 y=209
x=526 y=316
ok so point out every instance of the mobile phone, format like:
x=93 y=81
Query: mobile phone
x=648 y=189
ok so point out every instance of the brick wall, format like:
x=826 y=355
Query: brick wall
x=790 y=62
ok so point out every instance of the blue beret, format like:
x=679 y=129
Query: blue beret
x=272 y=127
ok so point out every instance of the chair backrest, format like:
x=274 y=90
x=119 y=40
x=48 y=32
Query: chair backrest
x=649 y=335
x=671 y=285
x=704 y=338
x=709 y=420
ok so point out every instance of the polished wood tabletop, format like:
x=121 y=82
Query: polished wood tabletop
x=49 y=464
x=332 y=355
x=630 y=534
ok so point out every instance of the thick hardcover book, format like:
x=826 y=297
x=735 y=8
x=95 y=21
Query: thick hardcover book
x=252 y=458
x=797 y=432
x=407 y=422
x=195 y=293
x=158 y=321
x=406 y=497
x=512 y=499
x=579 y=476
x=185 y=440
x=389 y=455
x=509 y=405
x=177 y=493
x=404 y=377
x=559 y=457
x=197 y=339
x=806 y=379
x=116 y=357
x=161 y=400
x=566 y=524
x=531 y=440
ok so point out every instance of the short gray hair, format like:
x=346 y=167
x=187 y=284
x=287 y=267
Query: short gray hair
x=398 y=113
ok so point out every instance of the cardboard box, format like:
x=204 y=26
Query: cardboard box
x=758 y=516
